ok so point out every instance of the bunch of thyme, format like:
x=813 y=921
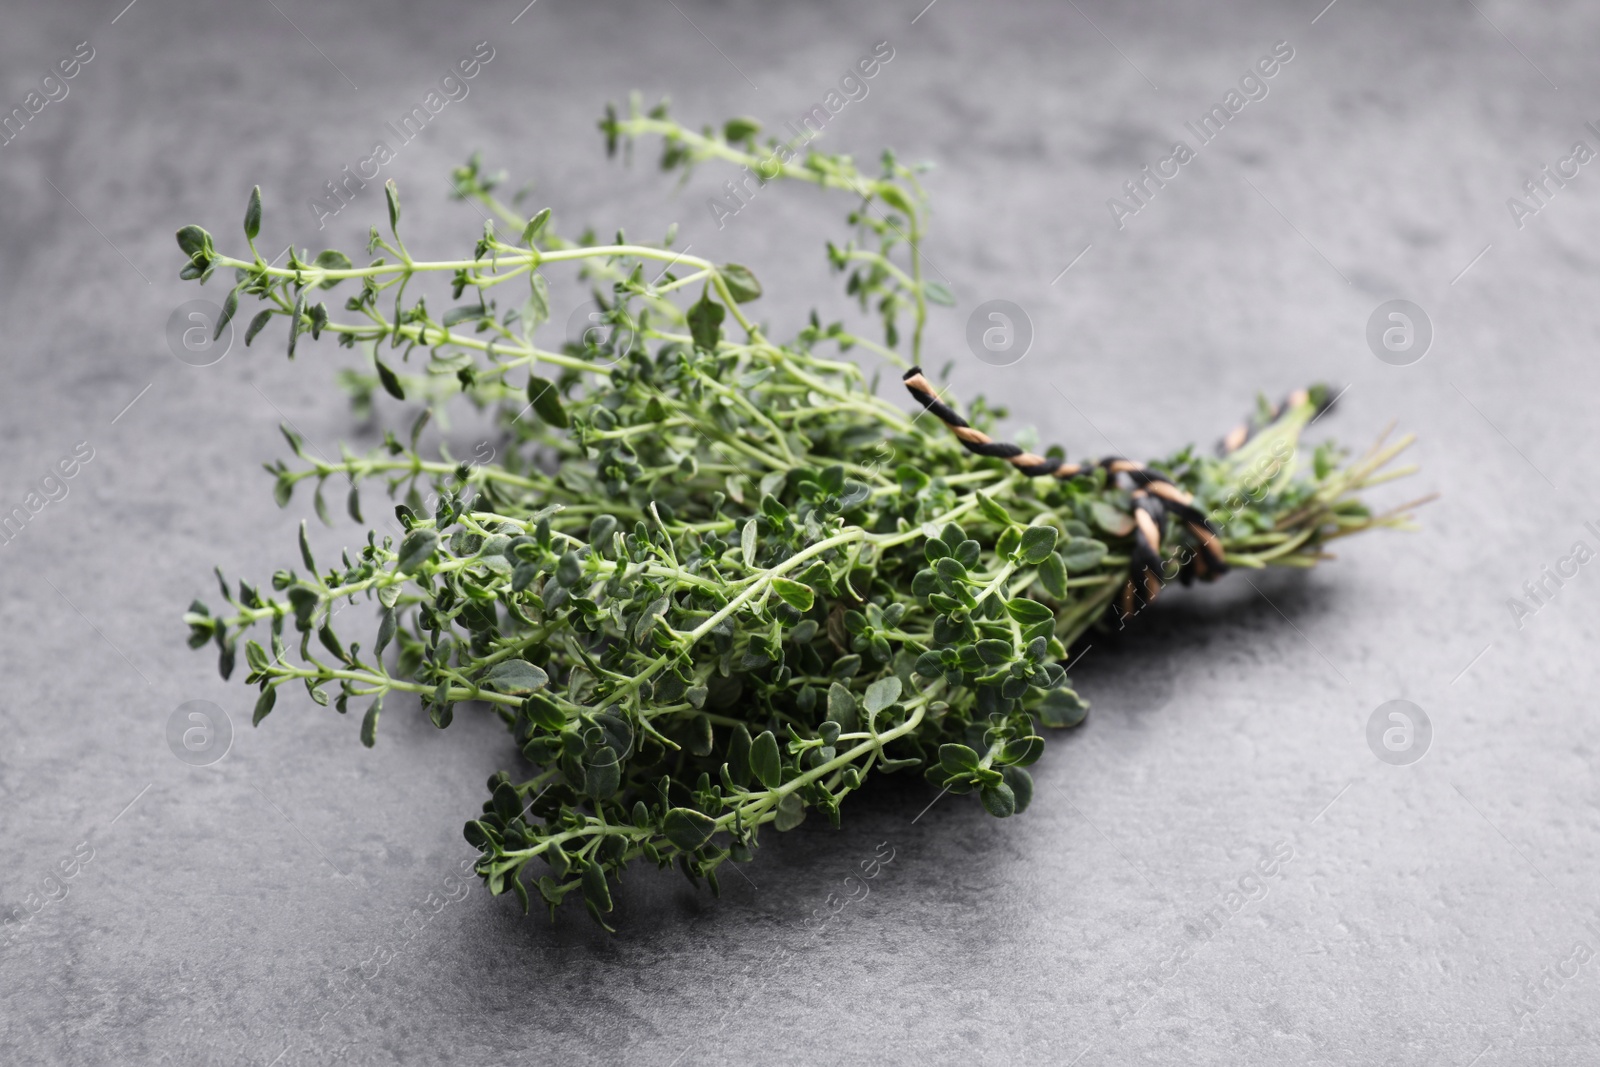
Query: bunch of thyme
x=716 y=580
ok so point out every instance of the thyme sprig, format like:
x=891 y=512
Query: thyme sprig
x=714 y=581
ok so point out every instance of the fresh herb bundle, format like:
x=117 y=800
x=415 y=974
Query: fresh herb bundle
x=717 y=581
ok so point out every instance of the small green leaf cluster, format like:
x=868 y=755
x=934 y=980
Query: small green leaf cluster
x=890 y=214
x=710 y=582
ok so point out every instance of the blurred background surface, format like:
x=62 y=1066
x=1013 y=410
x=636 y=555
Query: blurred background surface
x=264 y=909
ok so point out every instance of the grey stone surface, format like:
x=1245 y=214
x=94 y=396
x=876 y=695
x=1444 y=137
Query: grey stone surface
x=1421 y=903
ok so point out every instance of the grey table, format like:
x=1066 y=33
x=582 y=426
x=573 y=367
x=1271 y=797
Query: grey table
x=263 y=909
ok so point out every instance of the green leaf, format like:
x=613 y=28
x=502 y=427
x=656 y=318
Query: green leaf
x=416 y=549
x=994 y=651
x=1323 y=462
x=386 y=626
x=257 y=324
x=882 y=693
x=595 y=889
x=546 y=401
x=304 y=602
x=602 y=777
x=294 y=321
x=392 y=194
x=1037 y=543
x=998 y=800
x=507 y=801
x=1082 y=554
x=1053 y=575
x=740 y=129
x=747 y=543
x=534 y=226
x=992 y=511
x=764 y=761
x=330 y=641
x=332 y=259
x=688 y=829
x=1007 y=542
x=369 y=723
x=193 y=241
x=305 y=550
x=264 y=704
x=230 y=305
x=797 y=596
x=705 y=323
x=891 y=195
x=522 y=892
x=702 y=738
x=938 y=293
x=516 y=677
x=912 y=481
x=478 y=835
x=252 y=214
x=1062 y=708
x=791 y=813
x=1028 y=612
x=742 y=285
x=390 y=381
x=458 y=315
x=543 y=712
x=739 y=754
x=842 y=707
x=1021 y=784
x=968 y=552
x=601 y=527
x=854 y=493
x=537 y=308
x=609 y=125
x=958 y=759
x=1022 y=751
x=1113 y=521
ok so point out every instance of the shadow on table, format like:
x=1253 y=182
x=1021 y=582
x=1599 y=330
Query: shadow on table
x=806 y=871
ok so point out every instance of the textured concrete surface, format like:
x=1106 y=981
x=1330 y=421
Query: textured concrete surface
x=261 y=910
